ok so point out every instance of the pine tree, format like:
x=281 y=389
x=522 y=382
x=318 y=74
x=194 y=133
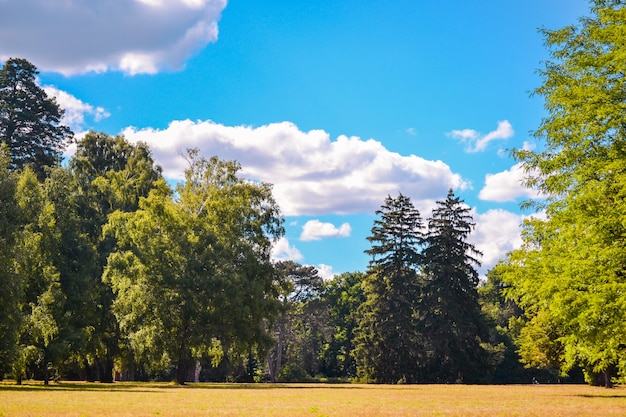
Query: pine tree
x=451 y=314
x=388 y=338
x=30 y=121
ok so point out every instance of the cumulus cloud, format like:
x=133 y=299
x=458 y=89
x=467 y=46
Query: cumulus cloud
x=477 y=142
x=133 y=36
x=311 y=174
x=283 y=251
x=497 y=232
x=75 y=109
x=507 y=185
x=317 y=230
x=325 y=271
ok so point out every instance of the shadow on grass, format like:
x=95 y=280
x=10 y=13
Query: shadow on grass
x=622 y=396
x=156 y=387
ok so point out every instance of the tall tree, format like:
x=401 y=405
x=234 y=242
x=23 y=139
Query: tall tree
x=195 y=270
x=450 y=310
x=110 y=174
x=300 y=322
x=389 y=339
x=569 y=274
x=41 y=299
x=9 y=280
x=30 y=121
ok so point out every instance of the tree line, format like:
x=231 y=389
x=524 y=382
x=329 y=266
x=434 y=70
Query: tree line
x=107 y=272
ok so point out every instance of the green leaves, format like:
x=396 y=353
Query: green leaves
x=197 y=268
x=568 y=277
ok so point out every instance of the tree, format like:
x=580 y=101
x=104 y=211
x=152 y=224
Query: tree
x=195 y=272
x=342 y=295
x=110 y=174
x=301 y=323
x=503 y=316
x=9 y=280
x=389 y=340
x=450 y=311
x=30 y=121
x=40 y=298
x=569 y=273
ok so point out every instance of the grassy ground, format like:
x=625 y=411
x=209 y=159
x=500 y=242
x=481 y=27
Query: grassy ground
x=132 y=399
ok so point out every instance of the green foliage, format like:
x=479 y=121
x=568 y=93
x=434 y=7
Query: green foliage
x=451 y=316
x=9 y=279
x=301 y=327
x=191 y=270
x=388 y=340
x=568 y=277
x=29 y=120
x=108 y=174
x=342 y=295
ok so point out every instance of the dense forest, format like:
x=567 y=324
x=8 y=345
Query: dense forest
x=109 y=273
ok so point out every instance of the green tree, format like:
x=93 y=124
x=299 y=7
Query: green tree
x=110 y=174
x=568 y=277
x=76 y=260
x=342 y=295
x=503 y=318
x=30 y=121
x=9 y=280
x=388 y=338
x=301 y=325
x=195 y=271
x=450 y=312
x=40 y=299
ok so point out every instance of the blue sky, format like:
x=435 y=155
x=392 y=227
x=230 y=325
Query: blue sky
x=337 y=103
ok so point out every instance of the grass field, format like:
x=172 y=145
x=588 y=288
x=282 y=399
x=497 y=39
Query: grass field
x=133 y=399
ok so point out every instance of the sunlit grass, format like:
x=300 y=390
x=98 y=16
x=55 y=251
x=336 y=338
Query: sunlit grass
x=311 y=400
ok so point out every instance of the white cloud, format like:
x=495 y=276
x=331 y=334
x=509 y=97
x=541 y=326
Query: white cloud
x=311 y=174
x=75 y=109
x=316 y=230
x=497 y=232
x=507 y=185
x=283 y=251
x=134 y=36
x=325 y=271
x=476 y=142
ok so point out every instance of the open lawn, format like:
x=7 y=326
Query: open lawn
x=310 y=400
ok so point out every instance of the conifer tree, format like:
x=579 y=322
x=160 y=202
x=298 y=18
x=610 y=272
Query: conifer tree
x=388 y=338
x=30 y=121
x=450 y=312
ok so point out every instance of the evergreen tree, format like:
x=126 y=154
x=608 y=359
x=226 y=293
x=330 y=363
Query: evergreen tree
x=450 y=312
x=388 y=338
x=30 y=121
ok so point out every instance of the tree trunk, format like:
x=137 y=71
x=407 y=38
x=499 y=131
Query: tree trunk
x=89 y=374
x=607 y=377
x=181 y=368
x=106 y=373
x=279 y=348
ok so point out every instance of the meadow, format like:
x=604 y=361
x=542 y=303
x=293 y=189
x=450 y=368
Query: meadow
x=310 y=400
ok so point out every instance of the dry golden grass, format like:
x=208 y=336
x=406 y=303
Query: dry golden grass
x=310 y=400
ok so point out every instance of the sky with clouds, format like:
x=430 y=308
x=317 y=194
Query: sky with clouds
x=336 y=103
